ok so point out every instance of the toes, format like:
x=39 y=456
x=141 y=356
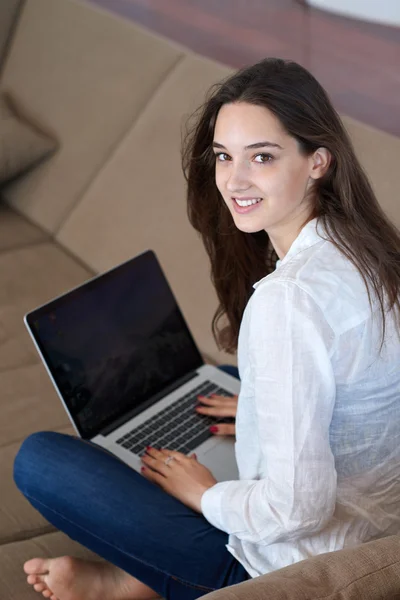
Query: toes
x=47 y=593
x=32 y=579
x=37 y=566
x=40 y=587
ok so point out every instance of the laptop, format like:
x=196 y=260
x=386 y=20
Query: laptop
x=127 y=369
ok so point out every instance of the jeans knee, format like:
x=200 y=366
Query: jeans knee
x=30 y=457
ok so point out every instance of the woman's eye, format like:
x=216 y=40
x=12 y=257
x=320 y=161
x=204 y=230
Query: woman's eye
x=222 y=157
x=263 y=158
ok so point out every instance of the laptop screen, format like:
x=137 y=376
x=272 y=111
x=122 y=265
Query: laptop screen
x=114 y=342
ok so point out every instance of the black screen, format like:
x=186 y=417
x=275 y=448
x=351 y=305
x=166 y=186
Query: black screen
x=114 y=342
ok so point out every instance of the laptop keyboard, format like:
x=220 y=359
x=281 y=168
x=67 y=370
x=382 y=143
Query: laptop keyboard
x=177 y=427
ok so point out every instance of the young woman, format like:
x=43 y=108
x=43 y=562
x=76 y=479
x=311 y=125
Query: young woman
x=306 y=266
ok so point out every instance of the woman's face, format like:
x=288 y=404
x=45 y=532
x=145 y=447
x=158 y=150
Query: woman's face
x=260 y=172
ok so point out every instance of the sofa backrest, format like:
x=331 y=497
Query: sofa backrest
x=137 y=200
x=86 y=75
x=9 y=10
x=116 y=95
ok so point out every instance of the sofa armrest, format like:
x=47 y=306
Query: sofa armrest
x=370 y=571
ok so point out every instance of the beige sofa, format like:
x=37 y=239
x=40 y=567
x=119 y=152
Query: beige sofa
x=116 y=96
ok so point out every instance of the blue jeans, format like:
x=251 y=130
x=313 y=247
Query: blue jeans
x=111 y=509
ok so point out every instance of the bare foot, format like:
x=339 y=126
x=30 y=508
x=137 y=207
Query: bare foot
x=67 y=578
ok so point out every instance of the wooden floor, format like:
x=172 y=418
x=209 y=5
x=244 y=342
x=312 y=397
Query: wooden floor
x=358 y=63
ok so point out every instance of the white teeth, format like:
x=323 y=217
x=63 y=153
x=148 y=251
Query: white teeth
x=247 y=202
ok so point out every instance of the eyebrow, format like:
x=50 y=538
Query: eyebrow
x=252 y=146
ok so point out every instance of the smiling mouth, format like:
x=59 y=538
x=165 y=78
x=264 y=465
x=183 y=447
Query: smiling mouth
x=246 y=201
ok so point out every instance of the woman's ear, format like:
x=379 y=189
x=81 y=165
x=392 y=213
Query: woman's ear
x=319 y=163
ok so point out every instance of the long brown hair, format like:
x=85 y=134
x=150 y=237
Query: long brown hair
x=343 y=198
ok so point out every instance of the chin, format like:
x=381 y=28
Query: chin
x=248 y=228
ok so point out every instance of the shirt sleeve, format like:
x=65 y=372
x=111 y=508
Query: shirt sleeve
x=289 y=350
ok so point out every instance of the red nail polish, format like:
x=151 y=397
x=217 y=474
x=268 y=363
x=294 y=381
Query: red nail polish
x=148 y=448
x=213 y=429
x=143 y=469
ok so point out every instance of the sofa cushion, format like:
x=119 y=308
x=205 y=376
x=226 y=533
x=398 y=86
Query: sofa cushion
x=142 y=189
x=28 y=403
x=369 y=572
x=13 y=584
x=16 y=231
x=88 y=91
x=18 y=519
x=22 y=143
x=30 y=276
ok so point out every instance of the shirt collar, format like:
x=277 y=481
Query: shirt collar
x=307 y=237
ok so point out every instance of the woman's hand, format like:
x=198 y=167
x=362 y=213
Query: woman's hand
x=219 y=406
x=179 y=475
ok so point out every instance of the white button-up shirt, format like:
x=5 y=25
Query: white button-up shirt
x=318 y=422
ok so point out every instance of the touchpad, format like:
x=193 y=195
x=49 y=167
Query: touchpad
x=220 y=459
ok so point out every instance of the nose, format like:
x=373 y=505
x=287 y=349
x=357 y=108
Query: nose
x=238 y=178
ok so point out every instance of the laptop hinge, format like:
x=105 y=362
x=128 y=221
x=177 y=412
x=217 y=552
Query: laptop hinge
x=139 y=409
